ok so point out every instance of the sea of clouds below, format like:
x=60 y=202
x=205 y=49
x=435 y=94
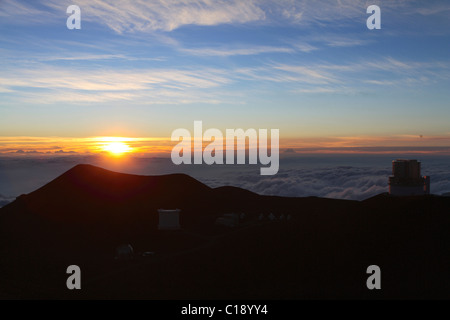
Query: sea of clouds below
x=344 y=176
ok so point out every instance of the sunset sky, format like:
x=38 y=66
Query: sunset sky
x=141 y=69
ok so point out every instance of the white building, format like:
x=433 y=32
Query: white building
x=169 y=219
x=407 y=180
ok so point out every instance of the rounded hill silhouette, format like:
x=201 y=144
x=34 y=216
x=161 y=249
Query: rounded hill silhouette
x=322 y=251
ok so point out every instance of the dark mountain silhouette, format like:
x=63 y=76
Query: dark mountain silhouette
x=322 y=251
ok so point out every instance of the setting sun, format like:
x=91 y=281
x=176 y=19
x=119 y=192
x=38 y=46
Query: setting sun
x=117 y=148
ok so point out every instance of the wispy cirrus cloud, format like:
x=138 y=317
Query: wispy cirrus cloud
x=306 y=73
x=307 y=44
x=112 y=80
x=131 y=16
x=225 y=52
x=340 y=41
x=86 y=85
x=14 y=11
x=165 y=15
x=46 y=83
x=304 y=47
x=94 y=57
x=433 y=8
x=342 y=78
x=347 y=12
x=324 y=90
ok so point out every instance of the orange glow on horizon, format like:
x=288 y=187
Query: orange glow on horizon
x=117 y=148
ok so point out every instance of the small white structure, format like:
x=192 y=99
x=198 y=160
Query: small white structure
x=169 y=219
x=261 y=217
x=272 y=217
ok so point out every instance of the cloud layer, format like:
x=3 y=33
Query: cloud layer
x=132 y=16
x=50 y=84
x=167 y=15
x=354 y=181
x=4 y=200
x=342 y=177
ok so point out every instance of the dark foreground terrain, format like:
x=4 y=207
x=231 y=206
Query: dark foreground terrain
x=323 y=251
